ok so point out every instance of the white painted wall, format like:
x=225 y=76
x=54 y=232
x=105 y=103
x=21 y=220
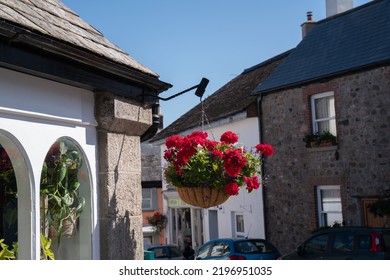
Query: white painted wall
x=36 y=112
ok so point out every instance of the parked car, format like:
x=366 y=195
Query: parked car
x=344 y=243
x=165 y=252
x=237 y=249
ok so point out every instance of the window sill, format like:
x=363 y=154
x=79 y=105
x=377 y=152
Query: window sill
x=322 y=149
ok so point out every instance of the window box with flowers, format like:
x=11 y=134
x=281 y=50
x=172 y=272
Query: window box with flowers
x=207 y=172
x=323 y=139
x=158 y=221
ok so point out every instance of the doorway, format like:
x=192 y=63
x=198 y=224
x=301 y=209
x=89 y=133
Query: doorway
x=368 y=218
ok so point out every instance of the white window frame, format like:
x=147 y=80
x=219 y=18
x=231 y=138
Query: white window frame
x=322 y=213
x=237 y=232
x=315 y=121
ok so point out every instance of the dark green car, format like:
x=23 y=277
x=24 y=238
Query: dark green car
x=345 y=243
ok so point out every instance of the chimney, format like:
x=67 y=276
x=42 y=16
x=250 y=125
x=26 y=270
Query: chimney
x=334 y=7
x=308 y=25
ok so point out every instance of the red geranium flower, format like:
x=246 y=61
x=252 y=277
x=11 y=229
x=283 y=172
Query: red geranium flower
x=232 y=188
x=174 y=141
x=252 y=183
x=229 y=137
x=233 y=162
x=265 y=149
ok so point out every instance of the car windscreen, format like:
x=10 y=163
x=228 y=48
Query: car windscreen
x=174 y=252
x=252 y=247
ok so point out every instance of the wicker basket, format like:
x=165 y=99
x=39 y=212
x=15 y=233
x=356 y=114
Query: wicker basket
x=202 y=197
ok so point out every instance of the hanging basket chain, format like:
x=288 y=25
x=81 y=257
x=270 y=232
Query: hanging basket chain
x=204 y=118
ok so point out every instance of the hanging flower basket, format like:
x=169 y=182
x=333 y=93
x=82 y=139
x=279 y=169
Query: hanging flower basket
x=207 y=172
x=158 y=221
x=202 y=197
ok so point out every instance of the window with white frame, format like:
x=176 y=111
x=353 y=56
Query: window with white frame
x=323 y=113
x=149 y=198
x=239 y=224
x=329 y=205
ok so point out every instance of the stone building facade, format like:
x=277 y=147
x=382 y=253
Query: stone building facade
x=360 y=163
x=338 y=77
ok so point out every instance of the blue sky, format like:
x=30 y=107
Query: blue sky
x=183 y=41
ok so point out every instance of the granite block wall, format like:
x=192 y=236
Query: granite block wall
x=360 y=163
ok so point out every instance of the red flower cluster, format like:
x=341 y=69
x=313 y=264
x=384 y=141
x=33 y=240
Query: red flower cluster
x=157 y=221
x=194 y=161
x=157 y=216
x=265 y=149
x=5 y=162
x=233 y=162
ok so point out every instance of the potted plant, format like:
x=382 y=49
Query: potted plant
x=157 y=221
x=6 y=253
x=207 y=172
x=322 y=139
x=11 y=254
x=60 y=191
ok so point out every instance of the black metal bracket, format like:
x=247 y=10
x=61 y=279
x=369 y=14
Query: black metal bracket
x=200 y=89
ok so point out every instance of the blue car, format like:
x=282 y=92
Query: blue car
x=165 y=252
x=237 y=249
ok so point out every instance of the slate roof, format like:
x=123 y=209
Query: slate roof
x=54 y=19
x=234 y=97
x=353 y=40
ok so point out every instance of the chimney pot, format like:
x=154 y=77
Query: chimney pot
x=309 y=16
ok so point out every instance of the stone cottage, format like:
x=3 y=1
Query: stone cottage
x=62 y=84
x=336 y=80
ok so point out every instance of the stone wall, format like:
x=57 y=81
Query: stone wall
x=360 y=163
x=151 y=162
x=120 y=125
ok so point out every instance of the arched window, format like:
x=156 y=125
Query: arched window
x=66 y=201
x=15 y=197
x=8 y=200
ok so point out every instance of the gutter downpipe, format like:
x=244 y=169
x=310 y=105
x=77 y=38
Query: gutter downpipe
x=152 y=130
x=260 y=117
